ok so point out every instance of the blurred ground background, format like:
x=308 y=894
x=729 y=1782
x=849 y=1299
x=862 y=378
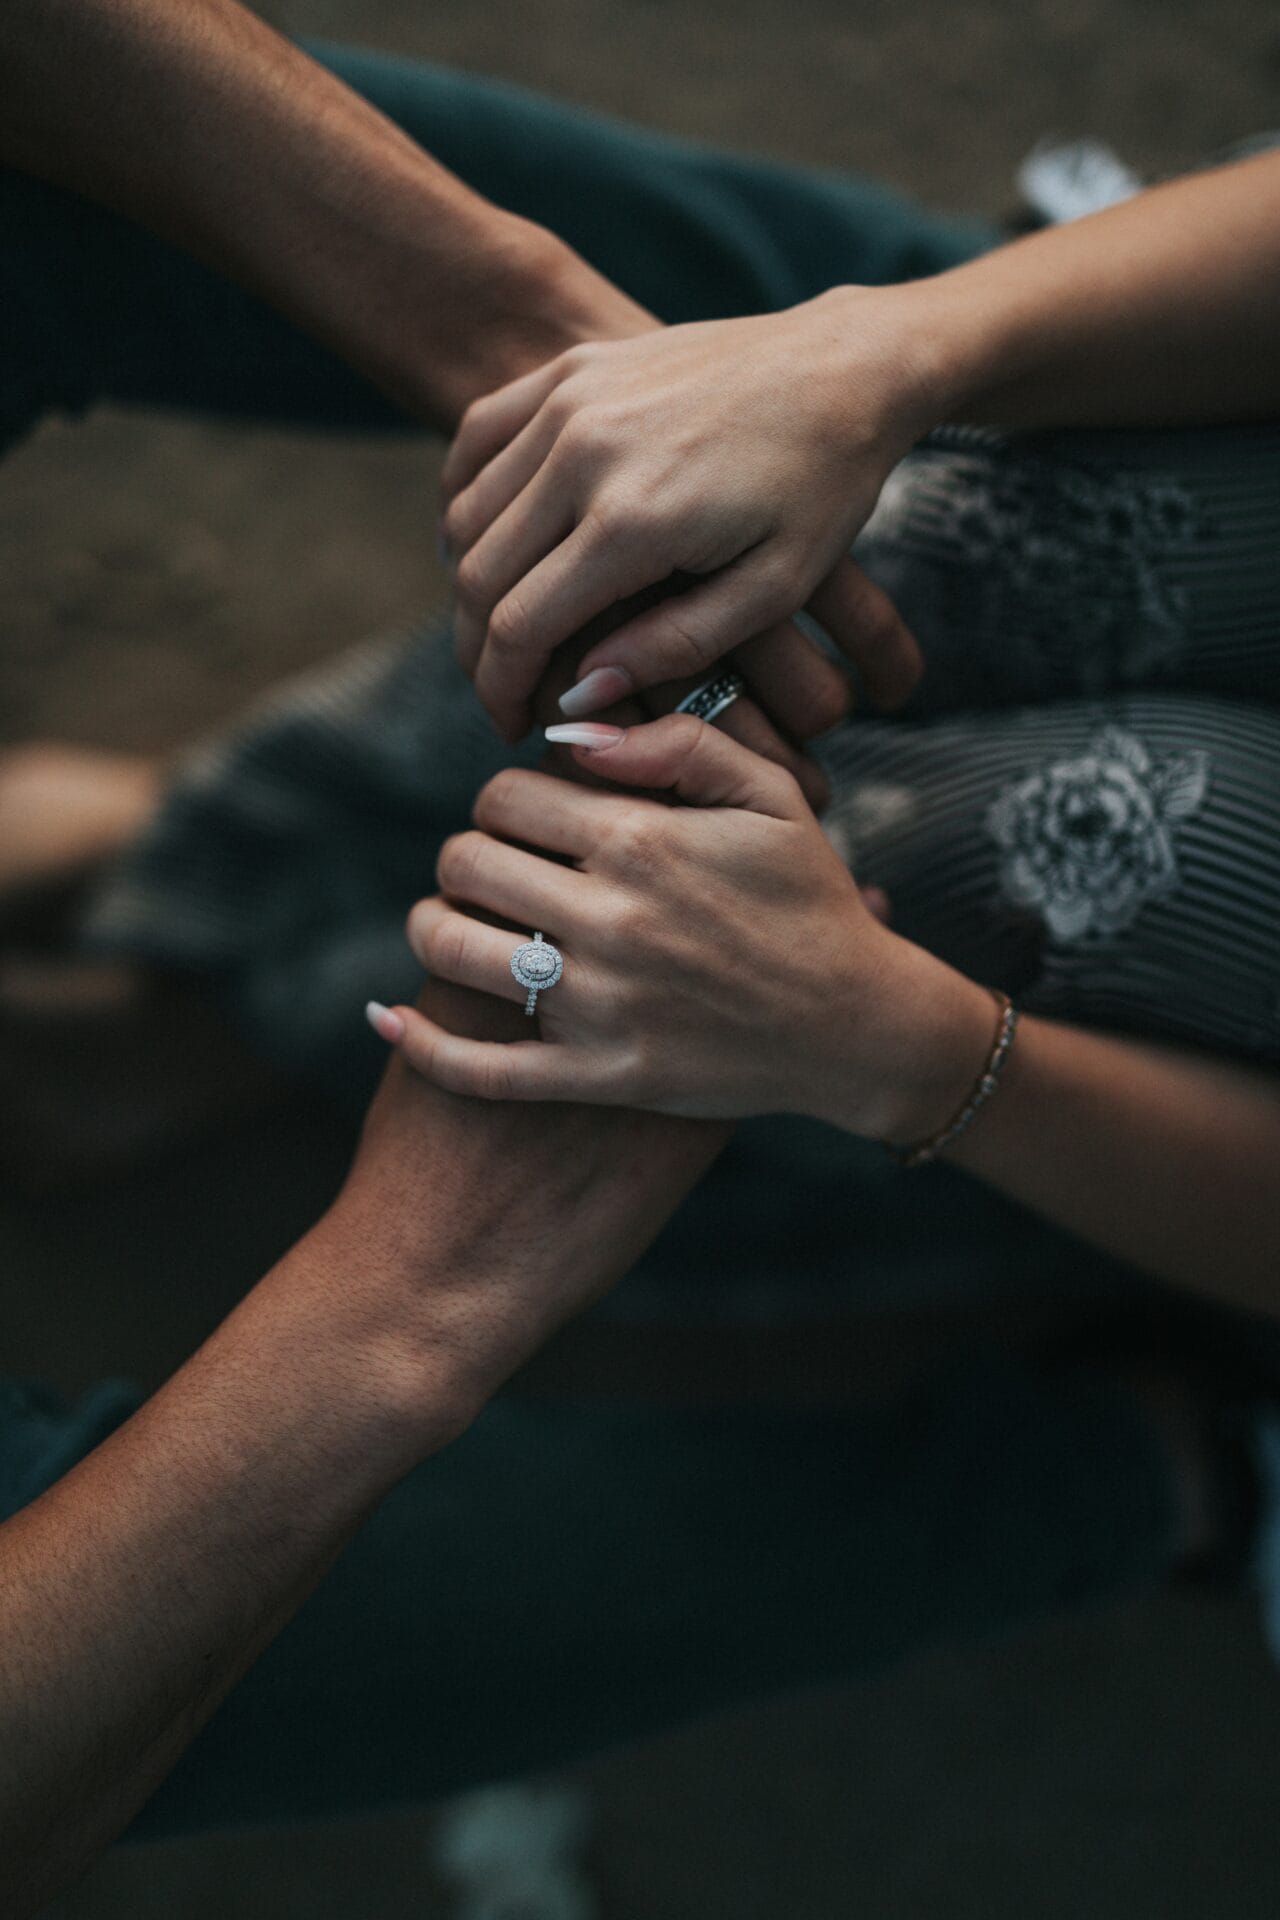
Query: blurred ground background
x=156 y=572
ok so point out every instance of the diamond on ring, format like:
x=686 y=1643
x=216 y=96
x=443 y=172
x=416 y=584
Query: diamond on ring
x=713 y=696
x=537 y=965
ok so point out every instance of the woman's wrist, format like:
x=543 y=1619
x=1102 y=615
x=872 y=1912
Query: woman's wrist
x=900 y=1069
x=895 y=331
x=955 y=343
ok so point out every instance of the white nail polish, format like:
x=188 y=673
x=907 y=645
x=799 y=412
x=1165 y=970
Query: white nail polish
x=387 y=1025
x=601 y=688
x=596 y=734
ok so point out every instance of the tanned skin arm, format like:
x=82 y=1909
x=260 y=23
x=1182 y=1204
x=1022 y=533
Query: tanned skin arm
x=138 y=1589
x=204 y=124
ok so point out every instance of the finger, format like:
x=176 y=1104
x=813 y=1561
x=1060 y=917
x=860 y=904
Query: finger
x=542 y=811
x=493 y=420
x=474 y=510
x=794 y=681
x=697 y=763
x=453 y=946
x=582 y=577
x=688 y=632
x=535 y=523
x=747 y=722
x=865 y=624
x=521 y=887
x=497 y=1069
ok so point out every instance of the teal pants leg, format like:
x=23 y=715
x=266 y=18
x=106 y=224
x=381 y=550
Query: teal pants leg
x=94 y=309
x=691 y=232
x=568 y=1576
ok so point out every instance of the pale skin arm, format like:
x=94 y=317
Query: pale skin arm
x=752 y=451
x=1167 y=1158
x=1163 y=311
x=136 y=1592
x=720 y=962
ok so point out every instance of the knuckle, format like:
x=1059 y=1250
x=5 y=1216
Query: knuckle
x=509 y=625
x=629 y=1001
x=783 y=588
x=686 y=649
x=492 y=1079
x=684 y=735
x=417 y=929
x=638 y=1071
x=629 y=930
x=457 y=523
x=618 y=513
x=607 y=523
x=586 y=432
x=459 y=861
x=449 y=947
x=637 y=840
x=475 y=416
x=577 y=359
x=499 y=795
x=470 y=579
x=787 y=788
x=559 y=408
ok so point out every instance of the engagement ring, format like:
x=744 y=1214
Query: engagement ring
x=537 y=965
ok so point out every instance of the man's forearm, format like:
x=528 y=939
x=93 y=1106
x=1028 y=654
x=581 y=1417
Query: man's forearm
x=1161 y=311
x=136 y=1592
x=204 y=124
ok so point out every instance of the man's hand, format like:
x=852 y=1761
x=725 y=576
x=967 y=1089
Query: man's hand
x=135 y=1592
x=487 y=1225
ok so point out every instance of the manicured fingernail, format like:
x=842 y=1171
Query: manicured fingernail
x=586 y=733
x=602 y=687
x=387 y=1025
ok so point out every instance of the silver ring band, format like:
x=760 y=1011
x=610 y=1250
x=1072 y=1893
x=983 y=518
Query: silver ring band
x=537 y=965
x=709 y=700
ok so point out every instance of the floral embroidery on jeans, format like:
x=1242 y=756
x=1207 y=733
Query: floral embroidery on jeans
x=1057 y=562
x=1088 y=842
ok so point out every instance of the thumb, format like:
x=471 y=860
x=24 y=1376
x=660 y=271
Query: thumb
x=686 y=757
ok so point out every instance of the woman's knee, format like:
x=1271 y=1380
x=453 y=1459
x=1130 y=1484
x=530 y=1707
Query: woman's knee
x=1114 y=862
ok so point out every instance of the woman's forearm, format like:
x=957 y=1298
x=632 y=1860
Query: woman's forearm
x=1168 y=1159
x=204 y=124
x=1163 y=310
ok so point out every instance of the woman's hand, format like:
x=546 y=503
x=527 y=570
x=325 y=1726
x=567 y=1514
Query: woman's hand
x=747 y=451
x=719 y=960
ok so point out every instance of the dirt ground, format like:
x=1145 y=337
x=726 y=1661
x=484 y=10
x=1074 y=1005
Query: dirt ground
x=156 y=572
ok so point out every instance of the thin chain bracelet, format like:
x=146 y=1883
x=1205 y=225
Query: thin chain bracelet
x=987 y=1082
